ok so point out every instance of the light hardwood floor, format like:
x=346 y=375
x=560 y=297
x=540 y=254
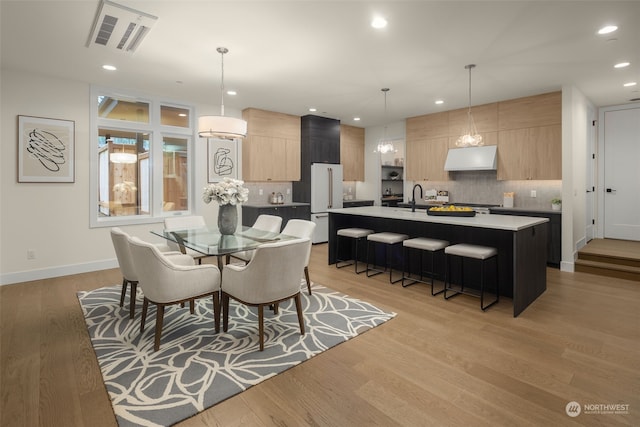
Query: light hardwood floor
x=437 y=363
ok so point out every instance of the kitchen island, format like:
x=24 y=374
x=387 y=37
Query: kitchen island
x=521 y=242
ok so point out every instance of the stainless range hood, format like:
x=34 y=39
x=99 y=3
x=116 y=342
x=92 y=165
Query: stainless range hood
x=472 y=159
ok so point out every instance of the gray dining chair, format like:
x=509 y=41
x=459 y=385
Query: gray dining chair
x=271 y=276
x=172 y=280
x=267 y=223
x=120 y=241
x=180 y=223
x=302 y=229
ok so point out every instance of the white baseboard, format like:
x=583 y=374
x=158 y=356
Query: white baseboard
x=581 y=243
x=65 y=270
x=567 y=266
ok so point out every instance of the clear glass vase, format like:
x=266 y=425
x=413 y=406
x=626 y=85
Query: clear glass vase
x=227 y=219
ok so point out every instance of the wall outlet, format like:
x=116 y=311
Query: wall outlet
x=260 y=192
x=288 y=191
x=31 y=254
x=533 y=193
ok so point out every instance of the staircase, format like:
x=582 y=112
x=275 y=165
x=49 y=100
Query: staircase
x=611 y=258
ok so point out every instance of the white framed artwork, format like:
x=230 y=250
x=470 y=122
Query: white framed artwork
x=222 y=159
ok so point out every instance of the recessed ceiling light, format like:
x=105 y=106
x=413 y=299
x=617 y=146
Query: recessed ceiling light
x=607 y=29
x=621 y=65
x=379 y=22
x=630 y=84
x=439 y=102
x=356 y=119
x=109 y=67
x=313 y=110
x=232 y=92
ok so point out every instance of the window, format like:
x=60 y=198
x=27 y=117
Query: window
x=142 y=158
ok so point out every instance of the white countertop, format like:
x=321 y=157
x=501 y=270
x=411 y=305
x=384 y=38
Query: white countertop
x=498 y=222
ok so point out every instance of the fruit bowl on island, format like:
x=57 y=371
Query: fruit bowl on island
x=451 y=210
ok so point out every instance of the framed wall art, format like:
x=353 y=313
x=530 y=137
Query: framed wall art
x=46 y=150
x=222 y=159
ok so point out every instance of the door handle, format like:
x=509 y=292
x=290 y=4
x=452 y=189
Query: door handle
x=611 y=190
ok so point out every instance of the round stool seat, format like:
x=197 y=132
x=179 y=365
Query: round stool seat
x=471 y=251
x=355 y=233
x=425 y=244
x=386 y=237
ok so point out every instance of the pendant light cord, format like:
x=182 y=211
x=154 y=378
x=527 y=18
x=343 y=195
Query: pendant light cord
x=222 y=51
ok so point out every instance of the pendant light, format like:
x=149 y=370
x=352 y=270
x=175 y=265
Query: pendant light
x=121 y=156
x=221 y=126
x=470 y=137
x=385 y=145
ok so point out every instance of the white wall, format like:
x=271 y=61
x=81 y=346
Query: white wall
x=53 y=219
x=577 y=116
x=371 y=188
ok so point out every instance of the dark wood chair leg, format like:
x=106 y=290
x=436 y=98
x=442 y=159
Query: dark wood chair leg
x=145 y=305
x=261 y=326
x=123 y=292
x=132 y=300
x=192 y=306
x=159 y=320
x=216 y=310
x=306 y=276
x=299 y=310
x=225 y=312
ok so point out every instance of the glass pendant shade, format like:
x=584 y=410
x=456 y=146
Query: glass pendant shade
x=470 y=136
x=385 y=145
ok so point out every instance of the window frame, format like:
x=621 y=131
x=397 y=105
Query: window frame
x=157 y=132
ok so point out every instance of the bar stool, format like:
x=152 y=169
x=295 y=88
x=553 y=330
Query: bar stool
x=482 y=253
x=389 y=240
x=423 y=244
x=358 y=235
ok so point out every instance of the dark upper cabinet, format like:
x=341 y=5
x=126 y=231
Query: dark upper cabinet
x=320 y=140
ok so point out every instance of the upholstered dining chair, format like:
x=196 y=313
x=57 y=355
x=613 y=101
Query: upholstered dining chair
x=172 y=280
x=177 y=223
x=272 y=275
x=120 y=241
x=302 y=229
x=268 y=223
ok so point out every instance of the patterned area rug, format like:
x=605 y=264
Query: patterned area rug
x=197 y=368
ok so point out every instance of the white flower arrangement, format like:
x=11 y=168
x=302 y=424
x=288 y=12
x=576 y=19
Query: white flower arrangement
x=229 y=191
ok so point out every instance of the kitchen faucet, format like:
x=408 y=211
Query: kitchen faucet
x=413 y=196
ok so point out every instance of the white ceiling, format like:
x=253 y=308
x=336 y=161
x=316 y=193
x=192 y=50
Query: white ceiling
x=288 y=56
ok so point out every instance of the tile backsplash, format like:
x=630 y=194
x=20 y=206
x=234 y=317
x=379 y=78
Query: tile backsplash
x=483 y=188
x=267 y=188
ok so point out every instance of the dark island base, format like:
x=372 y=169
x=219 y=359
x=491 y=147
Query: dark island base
x=522 y=254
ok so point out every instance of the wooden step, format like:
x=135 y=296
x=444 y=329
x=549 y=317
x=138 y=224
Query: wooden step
x=608 y=269
x=609 y=259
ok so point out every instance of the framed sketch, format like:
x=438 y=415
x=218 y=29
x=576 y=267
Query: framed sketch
x=222 y=159
x=46 y=150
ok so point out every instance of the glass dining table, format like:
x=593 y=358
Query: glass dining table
x=211 y=242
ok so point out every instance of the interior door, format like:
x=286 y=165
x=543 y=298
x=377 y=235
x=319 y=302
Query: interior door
x=590 y=199
x=622 y=174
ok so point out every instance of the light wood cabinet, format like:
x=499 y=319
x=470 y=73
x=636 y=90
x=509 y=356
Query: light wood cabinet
x=271 y=149
x=530 y=138
x=425 y=159
x=526 y=130
x=530 y=153
x=352 y=152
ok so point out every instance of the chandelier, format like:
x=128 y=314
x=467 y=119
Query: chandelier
x=221 y=126
x=385 y=145
x=471 y=137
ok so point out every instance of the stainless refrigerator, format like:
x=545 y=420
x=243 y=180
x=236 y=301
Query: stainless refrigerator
x=326 y=193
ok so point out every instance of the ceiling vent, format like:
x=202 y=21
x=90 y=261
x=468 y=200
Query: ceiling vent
x=119 y=27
